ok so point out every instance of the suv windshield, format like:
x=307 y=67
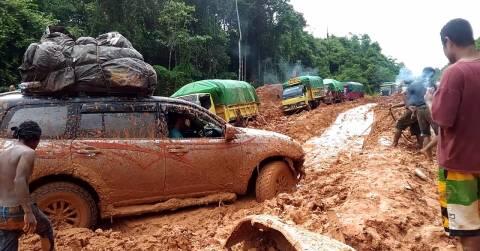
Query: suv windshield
x=294 y=91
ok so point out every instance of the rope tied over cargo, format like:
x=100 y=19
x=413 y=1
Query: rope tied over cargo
x=107 y=82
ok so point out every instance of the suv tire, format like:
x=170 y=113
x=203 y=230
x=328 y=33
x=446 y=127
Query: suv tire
x=274 y=178
x=66 y=205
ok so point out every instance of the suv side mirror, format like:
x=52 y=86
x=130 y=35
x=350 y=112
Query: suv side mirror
x=230 y=132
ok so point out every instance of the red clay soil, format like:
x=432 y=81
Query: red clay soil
x=370 y=200
x=304 y=124
x=270 y=101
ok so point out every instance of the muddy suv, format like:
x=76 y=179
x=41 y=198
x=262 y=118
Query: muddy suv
x=106 y=157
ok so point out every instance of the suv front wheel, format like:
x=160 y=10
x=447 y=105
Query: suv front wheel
x=274 y=178
x=66 y=205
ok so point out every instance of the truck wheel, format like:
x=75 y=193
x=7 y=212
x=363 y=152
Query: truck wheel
x=66 y=205
x=273 y=179
x=309 y=106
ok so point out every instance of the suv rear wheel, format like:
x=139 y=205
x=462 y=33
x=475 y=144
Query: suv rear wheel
x=66 y=205
x=273 y=179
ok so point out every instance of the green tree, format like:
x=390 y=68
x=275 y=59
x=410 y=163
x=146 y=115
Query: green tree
x=355 y=58
x=188 y=40
x=210 y=57
x=77 y=15
x=137 y=20
x=21 y=23
x=477 y=43
x=175 y=19
x=170 y=80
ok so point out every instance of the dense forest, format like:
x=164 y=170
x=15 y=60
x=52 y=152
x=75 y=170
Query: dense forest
x=187 y=40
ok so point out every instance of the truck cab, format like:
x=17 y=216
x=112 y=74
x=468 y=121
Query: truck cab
x=294 y=97
x=353 y=90
x=302 y=92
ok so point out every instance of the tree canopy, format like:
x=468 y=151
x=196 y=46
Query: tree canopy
x=189 y=40
x=21 y=23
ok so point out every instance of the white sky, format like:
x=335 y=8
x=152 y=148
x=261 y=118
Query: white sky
x=407 y=30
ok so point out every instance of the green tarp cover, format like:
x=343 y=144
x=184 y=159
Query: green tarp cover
x=333 y=85
x=223 y=92
x=314 y=81
x=355 y=87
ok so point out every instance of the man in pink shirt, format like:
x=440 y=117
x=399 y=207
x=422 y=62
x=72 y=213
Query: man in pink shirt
x=456 y=110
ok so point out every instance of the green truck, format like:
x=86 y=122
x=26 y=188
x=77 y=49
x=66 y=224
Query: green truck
x=389 y=88
x=231 y=100
x=353 y=90
x=302 y=92
x=334 y=90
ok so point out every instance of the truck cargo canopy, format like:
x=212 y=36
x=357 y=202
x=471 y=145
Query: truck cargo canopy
x=313 y=81
x=223 y=92
x=355 y=87
x=333 y=85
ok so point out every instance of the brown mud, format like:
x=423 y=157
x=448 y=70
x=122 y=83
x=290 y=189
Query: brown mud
x=302 y=125
x=371 y=200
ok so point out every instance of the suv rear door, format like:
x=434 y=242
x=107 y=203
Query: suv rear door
x=117 y=141
x=198 y=164
x=53 y=152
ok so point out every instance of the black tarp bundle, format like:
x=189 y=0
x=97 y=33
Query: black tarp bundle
x=107 y=65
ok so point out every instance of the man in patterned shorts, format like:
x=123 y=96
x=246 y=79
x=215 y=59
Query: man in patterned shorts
x=456 y=110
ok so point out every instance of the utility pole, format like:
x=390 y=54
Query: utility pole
x=240 y=63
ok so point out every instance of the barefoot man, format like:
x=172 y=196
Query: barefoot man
x=17 y=211
x=456 y=109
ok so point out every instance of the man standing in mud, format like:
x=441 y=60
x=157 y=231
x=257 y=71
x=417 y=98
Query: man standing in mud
x=420 y=108
x=417 y=104
x=17 y=212
x=456 y=110
x=407 y=120
x=417 y=110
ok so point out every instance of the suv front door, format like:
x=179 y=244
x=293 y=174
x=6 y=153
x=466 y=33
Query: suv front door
x=199 y=161
x=117 y=141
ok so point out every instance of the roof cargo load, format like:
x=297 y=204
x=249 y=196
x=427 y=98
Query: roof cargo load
x=107 y=65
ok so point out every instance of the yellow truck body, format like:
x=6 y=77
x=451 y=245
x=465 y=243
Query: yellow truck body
x=231 y=100
x=302 y=92
x=227 y=112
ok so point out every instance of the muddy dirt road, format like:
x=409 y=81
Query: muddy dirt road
x=364 y=194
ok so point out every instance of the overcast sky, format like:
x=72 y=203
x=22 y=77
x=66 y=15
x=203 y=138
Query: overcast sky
x=407 y=30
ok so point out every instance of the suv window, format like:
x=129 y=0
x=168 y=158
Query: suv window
x=91 y=126
x=118 y=125
x=51 y=119
x=130 y=125
x=183 y=122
